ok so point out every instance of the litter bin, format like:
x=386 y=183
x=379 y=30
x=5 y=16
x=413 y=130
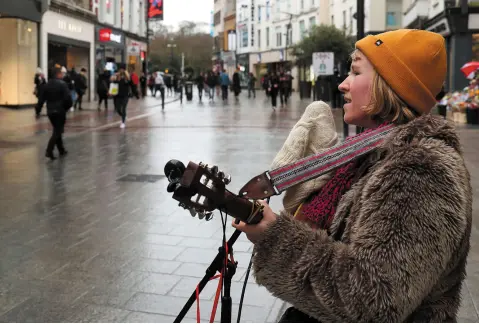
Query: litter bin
x=189 y=90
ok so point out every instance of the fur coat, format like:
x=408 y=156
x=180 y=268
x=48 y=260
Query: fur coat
x=398 y=245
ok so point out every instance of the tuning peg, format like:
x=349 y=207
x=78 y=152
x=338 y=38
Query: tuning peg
x=214 y=170
x=201 y=215
x=192 y=212
x=227 y=179
x=172 y=186
x=182 y=205
x=221 y=175
x=208 y=216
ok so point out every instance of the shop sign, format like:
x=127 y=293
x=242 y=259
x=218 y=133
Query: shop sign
x=107 y=35
x=134 y=50
x=63 y=25
x=323 y=63
x=441 y=27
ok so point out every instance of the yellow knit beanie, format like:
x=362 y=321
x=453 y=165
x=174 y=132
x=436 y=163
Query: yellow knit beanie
x=413 y=63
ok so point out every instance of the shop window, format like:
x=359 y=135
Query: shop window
x=18 y=61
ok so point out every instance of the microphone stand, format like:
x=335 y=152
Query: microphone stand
x=217 y=265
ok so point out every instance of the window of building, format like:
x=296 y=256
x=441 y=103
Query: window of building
x=244 y=36
x=312 y=3
x=312 y=22
x=259 y=13
x=302 y=4
x=259 y=38
x=267 y=36
x=217 y=18
x=332 y=19
x=391 y=19
x=278 y=36
x=267 y=9
x=302 y=29
x=344 y=19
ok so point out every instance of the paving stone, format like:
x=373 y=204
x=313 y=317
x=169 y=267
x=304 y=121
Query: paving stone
x=139 y=317
x=158 y=283
x=196 y=255
x=186 y=286
x=98 y=314
x=154 y=265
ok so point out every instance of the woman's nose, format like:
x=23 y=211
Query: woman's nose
x=344 y=86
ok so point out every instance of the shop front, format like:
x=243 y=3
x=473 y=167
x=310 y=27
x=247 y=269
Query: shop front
x=19 y=53
x=268 y=62
x=110 y=48
x=68 y=42
x=136 y=54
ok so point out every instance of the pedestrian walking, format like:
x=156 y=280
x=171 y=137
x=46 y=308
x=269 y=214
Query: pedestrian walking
x=225 y=83
x=200 y=83
x=143 y=82
x=160 y=86
x=103 y=85
x=120 y=100
x=80 y=84
x=384 y=237
x=236 y=84
x=135 y=82
x=273 y=88
x=58 y=99
x=40 y=82
x=211 y=81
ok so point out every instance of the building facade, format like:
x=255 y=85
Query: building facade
x=121 y=34
x=267 y=30
x=19 y=53
x=218 y=59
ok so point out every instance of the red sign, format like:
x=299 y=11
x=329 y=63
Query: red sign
x=155 y=9
x=105 y=34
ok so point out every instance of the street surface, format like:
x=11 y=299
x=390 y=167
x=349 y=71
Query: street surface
x=86 y=239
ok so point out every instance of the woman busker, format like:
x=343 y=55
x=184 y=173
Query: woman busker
x=386 y=237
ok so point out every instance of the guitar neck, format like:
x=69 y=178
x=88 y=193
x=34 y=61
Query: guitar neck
x=240 y=208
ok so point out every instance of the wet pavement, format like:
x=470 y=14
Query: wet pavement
x=95 y=237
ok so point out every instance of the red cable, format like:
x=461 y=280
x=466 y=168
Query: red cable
x=218 y=290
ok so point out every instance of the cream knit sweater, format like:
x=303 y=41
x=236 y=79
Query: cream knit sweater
x=313 y=133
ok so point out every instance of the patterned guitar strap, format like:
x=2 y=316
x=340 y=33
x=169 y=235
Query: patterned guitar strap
x=276 y=181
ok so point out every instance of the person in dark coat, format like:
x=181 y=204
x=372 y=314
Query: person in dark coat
x=58 y=99
x=236 y=84
x=102 y=88
x=211 y=82
x=81 y=84
x=200 y=83
x=143 y=81
x=273 y=88
x=40 y=82
x=122 y=78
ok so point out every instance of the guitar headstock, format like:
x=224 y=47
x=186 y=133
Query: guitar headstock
x=201 y=188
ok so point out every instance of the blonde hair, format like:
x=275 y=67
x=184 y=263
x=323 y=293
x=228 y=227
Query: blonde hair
x=385 y=104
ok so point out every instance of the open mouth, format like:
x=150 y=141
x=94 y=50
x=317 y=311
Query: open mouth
x=347 y=100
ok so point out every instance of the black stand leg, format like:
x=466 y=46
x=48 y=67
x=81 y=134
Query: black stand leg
x=216 y=266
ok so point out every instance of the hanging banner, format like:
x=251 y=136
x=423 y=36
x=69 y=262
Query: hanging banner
x=155 y=9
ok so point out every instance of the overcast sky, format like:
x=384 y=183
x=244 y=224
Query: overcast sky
x=176 y=11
